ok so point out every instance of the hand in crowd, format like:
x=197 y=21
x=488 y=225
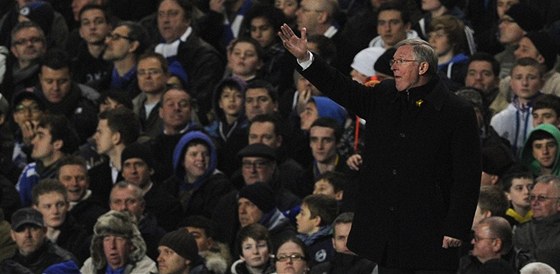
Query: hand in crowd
x=295 y=45
x=354 y=162
x=28 y=131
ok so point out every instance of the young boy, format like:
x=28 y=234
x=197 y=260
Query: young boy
x=330 y=183
x=546 y=110
x=314 y=226
x=517 y=184
x=541 y=151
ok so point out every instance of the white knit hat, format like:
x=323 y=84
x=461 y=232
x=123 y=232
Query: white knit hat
x=365 y=59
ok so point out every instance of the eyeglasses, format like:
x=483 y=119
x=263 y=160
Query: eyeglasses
x=291 y=257
x=256 y=164
x=150 y=72
x=400 y=61
x=31 y=108
x=540 y=198
x=478 y=239
x=116 y=36
x=32 y=40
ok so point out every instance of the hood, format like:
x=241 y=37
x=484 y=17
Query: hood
x=179 y=153
x=527 y=154
x=328 y=108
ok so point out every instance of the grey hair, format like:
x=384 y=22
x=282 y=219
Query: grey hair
x=537 y=268
x=549 y=180
x=423 y=52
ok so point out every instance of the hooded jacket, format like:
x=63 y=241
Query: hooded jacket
x=527 y=154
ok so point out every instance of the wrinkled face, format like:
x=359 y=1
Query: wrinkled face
x=136 y=171
x=105 y=138
x=202 y=240
x=74 y=178
x=526 y=48
x=391 y=27
x=439 y=39
x=28 y=44
x=53 y=207
x=169 y=262
x=125 y=200
x=340 y=237
x=503 y=5
x=257 y=169
x=55 y=84
x=308 y=116
x=305 y=223
x=196 y=161
x=288 y=7
x=545 y=116
x=323 y=144
x=262 y=31
x=544 y=200
x=116 y=250
x=510 y=31
x=43 y=145
x=484 y=243
x=27 y=111
x=481 y=76
x=407 y=74
x=248 y=212
x=310 y=14
x=119 y=45
x=519 y=192
x=258 y=101
x=176 y=109
x=324 y=187
x=28 y=239
x=255 y=253
x=526 y=81
x=286 y=264
x=544 y=151
x=244 y=60
x=231 y=101
x=151 y=78
x=171 y=19
x=93 y=26
x=430 y=5
x=263 y=133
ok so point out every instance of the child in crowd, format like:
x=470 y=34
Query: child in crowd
x=541 y=151
x=330 y=183
x=254 y=250
x=517 y=184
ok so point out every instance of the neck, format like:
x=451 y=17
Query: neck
x=246 y=77
x=169 y=130
x=153 y=97
x=522 y=211
x=230 y=119
x=115 y=156
x=254 y=270
x=125 y=65
x=494 y=256
x=24 y=64
x=95 y=50
x=49 y=161
x=439 y=12
x=328 y=165
x=445 y=58
x=546 y=171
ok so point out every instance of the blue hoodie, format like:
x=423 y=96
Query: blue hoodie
x=179 y=154
x=328 y=108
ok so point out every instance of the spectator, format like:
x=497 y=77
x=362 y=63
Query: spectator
x=178 y=254
x=517 y=184
x=291 y=255
x=546 y=110
x=541 y=153
x=254 y=248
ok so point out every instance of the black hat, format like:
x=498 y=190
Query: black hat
x=496 y=159
x=526 y=17
x=136 y=150
x=40 y=12
x=546 y=47
x=257 y=150
x=259 y=194
x=182 y=242
x=26 y=216
x=29 y=95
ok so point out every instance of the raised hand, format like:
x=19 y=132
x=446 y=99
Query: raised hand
x=295 y=45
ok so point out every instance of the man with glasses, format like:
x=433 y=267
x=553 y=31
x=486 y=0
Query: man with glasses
x=420 y=170
x=27 y=110
x=540 y=236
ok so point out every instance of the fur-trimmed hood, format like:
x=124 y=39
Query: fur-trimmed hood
x=217 y=259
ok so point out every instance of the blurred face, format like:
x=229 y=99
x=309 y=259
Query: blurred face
x=303 y=84
x=202 y=240
x=290 y=259
x=340 y=237
x=248 y=212
x=119 y=45
x=481 y=76
x=28 y=239
x=526 y=81
x=196 y=161
x=28 y=44
x=55 y=84
x=105 y=138
x=74 y=178
x=151 y=78
x=323 y=144
x=262 y=31
x=258 y=101
x=431 y=5
x=288 y=7
x=519 y=191
x=544 y=201
x=263 y=133
x=503 y=6
x=545 y=116
x=544 y=151
x=310 y=15
x=136 y=171
x=231 y=102
x=108 y=104
x=308 y=116
x=526 y=48
x=27 y=111
x=485 y=245
x=125 y=200
x=257 y=169
x=255 y=253
x=305 y=223
x=510 y=32
x=170 y=262
x=440 y=41
x=324 y=187
x=391 y=27
x=406 y=74
x=43 y=146
x=93 y=26
x=175 y=110
x=53 y=207
x=116 y=250
x=172 y=22
x=243 y=60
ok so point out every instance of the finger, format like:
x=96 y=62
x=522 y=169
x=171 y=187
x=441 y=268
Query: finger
x=304 y=33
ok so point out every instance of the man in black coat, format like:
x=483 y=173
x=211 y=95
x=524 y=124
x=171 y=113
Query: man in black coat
x=421 y=169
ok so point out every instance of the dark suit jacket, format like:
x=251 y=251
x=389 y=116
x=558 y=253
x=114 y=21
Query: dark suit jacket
x=421 y=172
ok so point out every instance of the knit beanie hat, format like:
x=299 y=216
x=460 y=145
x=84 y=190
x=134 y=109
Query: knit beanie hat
x=39 y=12
x=382 y=65
x=365 y=59
x=526 y=17
x=182 y=243
x=546 y=47
x=137 y=150
x=259 y=194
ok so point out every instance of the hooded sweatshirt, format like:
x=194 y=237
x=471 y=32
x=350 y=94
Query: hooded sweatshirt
x=527 y=155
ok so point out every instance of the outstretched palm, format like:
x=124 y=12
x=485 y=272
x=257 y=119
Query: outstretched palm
x=295 y=45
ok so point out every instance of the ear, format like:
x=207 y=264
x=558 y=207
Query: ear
x=323 y=17
x=80 y=31
x=12 y=235
x=497 y=245
x=187 y=262
x=407 y=26
x=339 y=195
x=494 y=179
x=508 y=196
x=58 y=144
x=316 y=221
x=2 y=119
x=487 y=214
x=135 y=45
x=14 y=52
x=332 y=240
x=152 y=171
x=423 y=68
x=279 y=139
x=540 y=59
x=116 y=138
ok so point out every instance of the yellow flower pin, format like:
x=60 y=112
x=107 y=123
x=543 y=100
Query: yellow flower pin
x=419 y=103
